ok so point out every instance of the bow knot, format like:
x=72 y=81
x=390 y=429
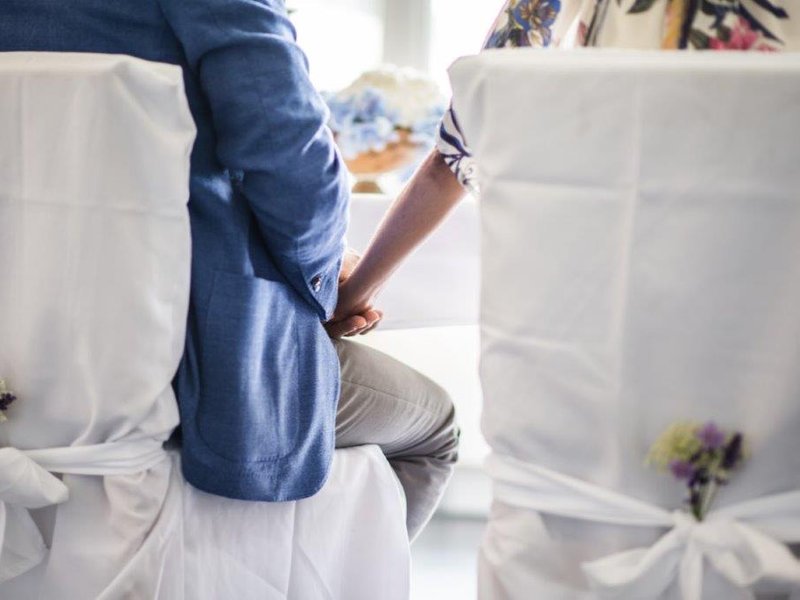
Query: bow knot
x=716 y=532
x=740 y=553
x=23 y=485
x=26 y=481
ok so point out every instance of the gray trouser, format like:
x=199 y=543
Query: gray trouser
x=412 y=419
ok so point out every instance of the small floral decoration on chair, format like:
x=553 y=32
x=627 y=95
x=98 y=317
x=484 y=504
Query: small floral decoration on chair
x=7 y=398
x=700 y=454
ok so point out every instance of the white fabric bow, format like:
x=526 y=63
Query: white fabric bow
x=26 y=482
x=739 y=552
x=23 y=485
x=745 y=542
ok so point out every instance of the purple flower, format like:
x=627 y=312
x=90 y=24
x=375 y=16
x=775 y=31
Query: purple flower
x=6 y=399
x=682 y=469
x=733 y=453
x=700 y=477
x=711 y=436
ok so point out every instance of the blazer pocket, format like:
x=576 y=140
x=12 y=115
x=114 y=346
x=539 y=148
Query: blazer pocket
x=249 y=370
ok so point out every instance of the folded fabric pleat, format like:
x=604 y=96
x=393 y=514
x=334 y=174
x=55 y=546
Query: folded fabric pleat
x=27 y=482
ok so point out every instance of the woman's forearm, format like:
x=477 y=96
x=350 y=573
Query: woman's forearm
x=418 y=210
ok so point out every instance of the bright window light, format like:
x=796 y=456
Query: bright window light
x=342 y=39
x=458 y=28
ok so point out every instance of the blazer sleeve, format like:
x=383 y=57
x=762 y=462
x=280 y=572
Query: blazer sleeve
x=271 y=127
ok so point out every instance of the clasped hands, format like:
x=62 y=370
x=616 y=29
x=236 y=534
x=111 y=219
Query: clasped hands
x=354 y=312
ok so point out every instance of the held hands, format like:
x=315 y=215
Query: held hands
x=354 y=312
x=418 y=210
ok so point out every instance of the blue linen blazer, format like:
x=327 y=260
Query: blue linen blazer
x=259 y=381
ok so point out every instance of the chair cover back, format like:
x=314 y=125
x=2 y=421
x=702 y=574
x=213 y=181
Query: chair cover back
x=641 y=265
x=94 y=287
x=95 y=248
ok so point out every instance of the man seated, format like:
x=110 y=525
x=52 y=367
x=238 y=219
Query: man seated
x=264 y=393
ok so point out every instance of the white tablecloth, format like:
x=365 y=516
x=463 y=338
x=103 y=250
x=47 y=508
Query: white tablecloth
x=438 y=285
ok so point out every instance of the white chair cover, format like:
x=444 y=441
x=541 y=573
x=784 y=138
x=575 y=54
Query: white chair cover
x=94 y=284
x=641 y=265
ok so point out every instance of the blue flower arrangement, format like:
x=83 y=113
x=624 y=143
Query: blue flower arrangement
x=365 y=122
x=384 y=123
x=362 y=123
x=371 y=114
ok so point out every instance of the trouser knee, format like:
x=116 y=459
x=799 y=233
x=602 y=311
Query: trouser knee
x=447 y=431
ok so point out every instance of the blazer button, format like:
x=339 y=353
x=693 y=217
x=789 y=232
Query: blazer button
x=316 y=283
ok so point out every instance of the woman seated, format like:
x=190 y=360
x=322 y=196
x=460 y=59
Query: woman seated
x=449 y=171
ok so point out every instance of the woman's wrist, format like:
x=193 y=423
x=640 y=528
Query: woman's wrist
x=353 y=298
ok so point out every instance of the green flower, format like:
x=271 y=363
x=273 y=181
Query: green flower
x=678 y=443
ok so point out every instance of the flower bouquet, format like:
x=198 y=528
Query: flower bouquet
x=383 y=122
x=702 y=456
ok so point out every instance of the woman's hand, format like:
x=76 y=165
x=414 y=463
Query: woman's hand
x=355 y=302
x=354 y=325
x=354 y=312
x=349 y=262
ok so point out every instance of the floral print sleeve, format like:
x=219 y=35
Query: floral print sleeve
x=520 y=23
x=453 y=149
